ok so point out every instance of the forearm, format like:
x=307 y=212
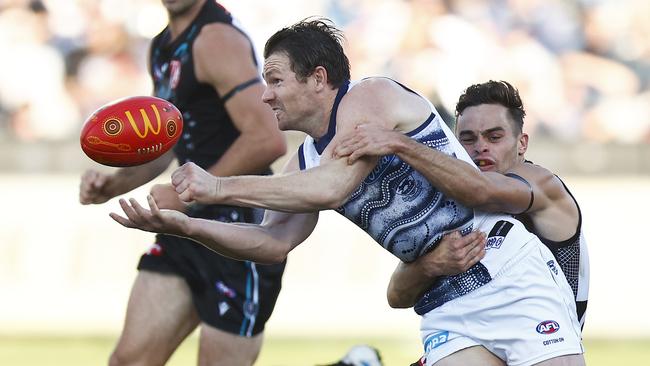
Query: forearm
x=407 y=284
x=269 y=242
x=239 y=241
x=454 y=177
x=320 y=188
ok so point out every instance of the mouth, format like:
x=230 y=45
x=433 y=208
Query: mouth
x=485 y=164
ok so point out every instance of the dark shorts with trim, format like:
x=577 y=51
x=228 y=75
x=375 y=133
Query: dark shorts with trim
x=234 y=296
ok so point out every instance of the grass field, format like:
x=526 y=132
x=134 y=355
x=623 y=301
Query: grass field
x=78 y=351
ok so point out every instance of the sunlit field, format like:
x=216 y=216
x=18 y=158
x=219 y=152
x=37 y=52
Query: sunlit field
x=78 y=351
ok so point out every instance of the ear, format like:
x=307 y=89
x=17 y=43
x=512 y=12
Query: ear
x=320 y=78
x=522 y=144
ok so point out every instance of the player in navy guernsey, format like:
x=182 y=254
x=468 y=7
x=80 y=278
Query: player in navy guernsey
x=205 y=64
x=489 y=126
x=308 y=88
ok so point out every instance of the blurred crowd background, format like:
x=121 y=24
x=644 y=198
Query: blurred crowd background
x=582 y=66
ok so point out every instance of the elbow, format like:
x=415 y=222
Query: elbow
x=274 y=254
x=276 y=258
x=331 y=200
x=396 y=302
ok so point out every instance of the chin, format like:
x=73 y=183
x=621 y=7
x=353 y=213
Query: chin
x=488 y=168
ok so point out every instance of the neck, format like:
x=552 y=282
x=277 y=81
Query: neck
x=321 y=119
x=179 y=22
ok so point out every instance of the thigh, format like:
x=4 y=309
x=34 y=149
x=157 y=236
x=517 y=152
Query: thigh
x=159 y=315
x=472 y=356
x=570 y=360
x=219 y=348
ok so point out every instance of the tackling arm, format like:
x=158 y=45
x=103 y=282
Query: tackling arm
x=454 y=254
x=488 y=191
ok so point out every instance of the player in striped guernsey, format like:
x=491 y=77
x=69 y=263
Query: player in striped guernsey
x=307 y=76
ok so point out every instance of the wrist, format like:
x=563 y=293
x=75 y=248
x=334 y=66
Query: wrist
x=429 y=270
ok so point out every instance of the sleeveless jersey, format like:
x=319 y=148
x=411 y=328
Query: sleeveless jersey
x=208 y=130
x=405 y=214
x=571 y=255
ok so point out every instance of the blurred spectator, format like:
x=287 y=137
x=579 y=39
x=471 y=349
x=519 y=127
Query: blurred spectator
x=583 y=66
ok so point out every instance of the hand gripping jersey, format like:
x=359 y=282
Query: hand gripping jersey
x=406 y=215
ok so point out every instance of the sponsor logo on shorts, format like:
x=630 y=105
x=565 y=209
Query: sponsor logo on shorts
x=435 y=340
x=551 y=265
x=225 y=290
x=494 y=242
x=497 y=235
x=223 y=307
x=553 y=341
x=548 y=327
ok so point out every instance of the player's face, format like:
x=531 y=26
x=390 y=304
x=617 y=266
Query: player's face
x=291 y=100
x=488 y=135
x=178 y=7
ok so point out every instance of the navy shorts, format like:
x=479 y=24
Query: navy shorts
x=234 y=296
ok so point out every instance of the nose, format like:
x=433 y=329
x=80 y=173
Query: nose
x=268 y=95
x=481 y=145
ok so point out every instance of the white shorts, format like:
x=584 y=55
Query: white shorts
x=525 y=315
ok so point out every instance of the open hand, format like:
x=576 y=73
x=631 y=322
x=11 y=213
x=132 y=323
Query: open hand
x=153 y=220
x=367 y=140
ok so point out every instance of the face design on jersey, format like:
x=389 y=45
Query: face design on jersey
x=487 y=133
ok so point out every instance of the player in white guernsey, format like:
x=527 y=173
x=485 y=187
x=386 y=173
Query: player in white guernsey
x=307 y=77
x=489 y=126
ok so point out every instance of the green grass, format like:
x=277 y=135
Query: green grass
x=78 y=351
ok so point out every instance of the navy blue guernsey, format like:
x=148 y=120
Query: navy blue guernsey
x=404 y=213
x=208 y=130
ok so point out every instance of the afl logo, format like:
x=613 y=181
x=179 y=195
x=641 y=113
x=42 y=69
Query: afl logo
x=548 y=327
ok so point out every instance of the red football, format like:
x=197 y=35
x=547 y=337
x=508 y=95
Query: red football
x=131 y=131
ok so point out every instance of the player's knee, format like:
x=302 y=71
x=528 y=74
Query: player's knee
x=117 y=359
x=121 y=357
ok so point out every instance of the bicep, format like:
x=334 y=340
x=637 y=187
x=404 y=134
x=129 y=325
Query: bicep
x=223 y=58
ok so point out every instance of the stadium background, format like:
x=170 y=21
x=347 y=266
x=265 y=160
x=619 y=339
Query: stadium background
x=582 y=66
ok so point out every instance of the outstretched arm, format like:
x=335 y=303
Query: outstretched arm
x=269 y=242
x=460 y=180
x=453 y=255
x=323 y=187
